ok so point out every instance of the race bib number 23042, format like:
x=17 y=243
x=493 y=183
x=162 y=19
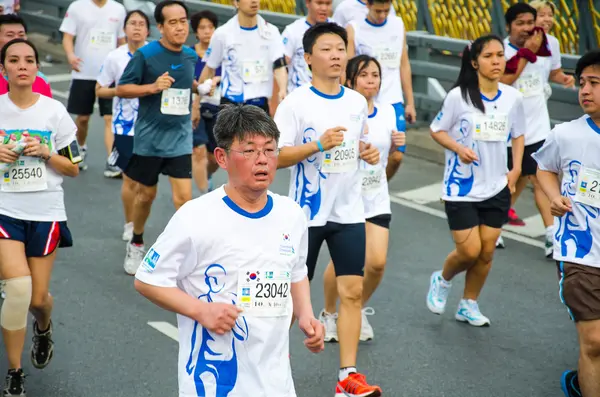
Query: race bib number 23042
x=264 y=293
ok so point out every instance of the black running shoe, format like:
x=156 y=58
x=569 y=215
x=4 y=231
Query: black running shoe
x=15 y=383
x=570 y=384
x=43 y=346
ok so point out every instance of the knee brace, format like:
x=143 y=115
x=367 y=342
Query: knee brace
x=13 y=315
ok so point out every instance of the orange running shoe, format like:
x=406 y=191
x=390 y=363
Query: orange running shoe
x=355 y=385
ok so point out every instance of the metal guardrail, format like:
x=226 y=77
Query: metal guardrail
x=431 y=57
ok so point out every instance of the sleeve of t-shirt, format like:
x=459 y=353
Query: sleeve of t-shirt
x=106 y=77
x=121 y=32
x=395 y=122
x=214 y=54
x=445 y=118
x=288 y=42
x=134 y=71
x=364 y=136
x=299 y=271
x=172 y=257
x=286 y=121
x=556 y=55
x=517 y=127
x=338 y=16
x=69 y=22
x=277 y=49
x=548 y=156
x=66 y=130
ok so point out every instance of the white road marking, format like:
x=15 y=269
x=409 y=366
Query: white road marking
x=423 y=195
x=45 y=64
x=58 y=78
x=534 y=227
x=394 y=197
x=165 y=328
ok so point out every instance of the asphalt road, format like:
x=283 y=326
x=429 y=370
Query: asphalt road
x=105 y=346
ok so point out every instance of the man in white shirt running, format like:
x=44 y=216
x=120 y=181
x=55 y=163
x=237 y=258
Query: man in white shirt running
x=383 y=37
x=91 y=30
x=572 y=150
x=250 y=53
x=236 y=284
x=298 y=71
x=323 y=137
x=350 y=10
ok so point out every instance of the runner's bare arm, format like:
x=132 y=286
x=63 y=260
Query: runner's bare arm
x=207 y=73
x=105 y=92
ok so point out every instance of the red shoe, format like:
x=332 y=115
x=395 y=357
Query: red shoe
x=355 y=385
x=513 y=218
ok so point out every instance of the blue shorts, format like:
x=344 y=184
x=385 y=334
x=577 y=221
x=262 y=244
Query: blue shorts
x=122 y=151
x=40 y=238
x=400 y=121
x=203 y=134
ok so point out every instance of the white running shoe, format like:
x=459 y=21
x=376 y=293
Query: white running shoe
x=438 y=293
x=549 y=246
x=128 y=231
x=330 y=323
x=83 y=153
x=366 y=331
x=468 y=312
x=500 y=242
x=133 y=258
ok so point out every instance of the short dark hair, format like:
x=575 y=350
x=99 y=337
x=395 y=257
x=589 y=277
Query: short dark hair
x=517 y=9
x=12 y=19
x=158 y=11
x=18 y=41
x=318 y=30
x=206 y=14
x=590 y=58
x=140 y=13
x=355 y=67
x=239 y=121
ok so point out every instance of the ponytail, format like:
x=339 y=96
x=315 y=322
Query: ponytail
x=468 y=78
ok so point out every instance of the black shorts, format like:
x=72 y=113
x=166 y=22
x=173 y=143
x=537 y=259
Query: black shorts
x=347 y=246
x=40 y=238
x=122 y=151
x=146 y=169
x=262 y=103
x=382 y=220
x=82 y=96
x=493 y=212
x=528 y=165
x=203 y=134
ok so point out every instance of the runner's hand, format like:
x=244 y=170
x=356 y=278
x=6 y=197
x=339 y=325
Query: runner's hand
x=163 y=82
x=410 y=114
x=534 y=41
x=35 y=149
x=315 y=333
x=332 y=137
x=467 y=155
x=75 y=62
x=560 y=206
x=398 y=138
x=195 y=117
x=369 y=154
x=568 y=81
x=7 y=155
x=513 y=176
x=219 y=317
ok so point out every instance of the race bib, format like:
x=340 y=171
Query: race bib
x=264 y=293
x=588 y=187
x=27 y=174
x=387 y=56
x=256 y=71
x=341 y=158
x=491 y=127
x=371 y=180
x=530 y=84
x=103 y=40
x=175 y=101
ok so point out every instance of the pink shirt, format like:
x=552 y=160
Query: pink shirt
x=40 y=86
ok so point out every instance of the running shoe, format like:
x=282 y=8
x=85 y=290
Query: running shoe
x=133 y=258
x=128 y=231
x=514 y=219
x=569 y=384
x=438 y=293
x=549 y=246
x=366 y=331
x=355 y=385
x=500 y=242
x=83 y=152
x=42 y=349
x=468 y=312
x=15 y=384
x=330 y=323
x=112 y=171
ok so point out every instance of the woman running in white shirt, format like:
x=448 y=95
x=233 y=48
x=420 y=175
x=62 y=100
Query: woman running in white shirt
x=364 y=75
x=477 y=118
x=32 y=211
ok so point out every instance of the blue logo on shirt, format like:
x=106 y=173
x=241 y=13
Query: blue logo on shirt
x=175 y=67
x=151 y=259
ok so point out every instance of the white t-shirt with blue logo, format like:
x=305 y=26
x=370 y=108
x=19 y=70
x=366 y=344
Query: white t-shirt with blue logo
x=486 y=177
x=302 y=117
x=125 y=110
x=350 y=10
x=241 y=252
x=573 y=148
